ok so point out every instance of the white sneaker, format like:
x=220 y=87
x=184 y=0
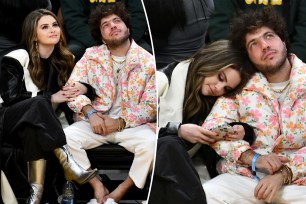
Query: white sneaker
x=93 y=201
x=110 y=201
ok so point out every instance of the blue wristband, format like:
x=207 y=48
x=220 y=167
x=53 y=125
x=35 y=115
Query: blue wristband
x=90 y=113
x=255 y=157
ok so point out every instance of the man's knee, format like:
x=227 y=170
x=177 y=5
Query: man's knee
x=149 y=148
x=71 y=134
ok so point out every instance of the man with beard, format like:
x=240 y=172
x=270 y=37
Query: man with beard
x=121 y=76
x=273 y=169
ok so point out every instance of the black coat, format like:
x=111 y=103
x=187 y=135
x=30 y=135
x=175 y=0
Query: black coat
x=13 y=90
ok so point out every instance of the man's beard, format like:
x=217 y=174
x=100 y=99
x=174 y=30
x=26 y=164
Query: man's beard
x=272 y=69
x=113 y=44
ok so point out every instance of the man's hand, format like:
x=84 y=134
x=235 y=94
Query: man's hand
x=97 y=124
x=194 y=134
x=268 y=187
x=270 y=163
x=111 y=125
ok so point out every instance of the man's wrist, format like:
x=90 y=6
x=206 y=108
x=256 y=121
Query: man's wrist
x=88 y=110
x=254 y=159
x=247 y=156
x=89 y=113
x=286 y=173
x=121 y=124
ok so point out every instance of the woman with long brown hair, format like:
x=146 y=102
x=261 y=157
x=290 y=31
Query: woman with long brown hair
x=187 y=93
x=32 y=79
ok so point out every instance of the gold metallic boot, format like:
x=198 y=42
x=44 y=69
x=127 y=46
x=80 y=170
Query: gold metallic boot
x=72 y=170
x=36 y=178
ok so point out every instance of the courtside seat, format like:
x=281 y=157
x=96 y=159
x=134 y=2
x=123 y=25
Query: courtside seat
x=110 y=157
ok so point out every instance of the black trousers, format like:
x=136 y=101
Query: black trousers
x=33 y=124
x=175 y=180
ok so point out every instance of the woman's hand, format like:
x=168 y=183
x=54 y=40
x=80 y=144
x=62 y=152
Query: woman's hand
x=75 y=89
x=237 y=135
x=194 y=134
x=268 y=187
x=60 y=97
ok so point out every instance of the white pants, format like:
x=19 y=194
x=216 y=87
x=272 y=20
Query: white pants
x=236 y=189
x=139 y=140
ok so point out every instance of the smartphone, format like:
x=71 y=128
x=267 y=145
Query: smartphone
x=222 y=130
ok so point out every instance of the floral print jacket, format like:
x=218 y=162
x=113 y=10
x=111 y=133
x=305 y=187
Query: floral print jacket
x=137 y=89
x=280 y=129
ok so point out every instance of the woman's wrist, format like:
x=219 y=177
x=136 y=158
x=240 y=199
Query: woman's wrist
x=173 y=127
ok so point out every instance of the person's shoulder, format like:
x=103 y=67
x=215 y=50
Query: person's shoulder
x=142 y=56
x=135 y=48
x=96 y=51
x=183 y=66
x=14 y=49
x=19 y=53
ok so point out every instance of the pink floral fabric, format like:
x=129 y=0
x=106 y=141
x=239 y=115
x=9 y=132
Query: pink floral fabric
x=137 y=89
x=278 y=128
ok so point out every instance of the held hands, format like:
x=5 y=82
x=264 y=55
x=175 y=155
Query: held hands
x=279 y=174
x=265 y=163
x=60 y=97
x=270 y=163
x=194 y=134
x=74 y=89
x=97 y=124
x=111 y=125
x=102 y=124
x=68 y=92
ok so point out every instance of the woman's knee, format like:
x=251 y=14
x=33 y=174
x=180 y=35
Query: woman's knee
x=40 y=103
x=170 y=144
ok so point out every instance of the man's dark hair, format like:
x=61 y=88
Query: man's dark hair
x=247 y=22
x=102 y=11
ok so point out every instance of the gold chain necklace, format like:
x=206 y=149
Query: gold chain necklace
x=119 y=65
x=118 y=62
x=282 y=90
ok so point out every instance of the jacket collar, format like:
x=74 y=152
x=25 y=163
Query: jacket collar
x=297 y=87
x=102 y=55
